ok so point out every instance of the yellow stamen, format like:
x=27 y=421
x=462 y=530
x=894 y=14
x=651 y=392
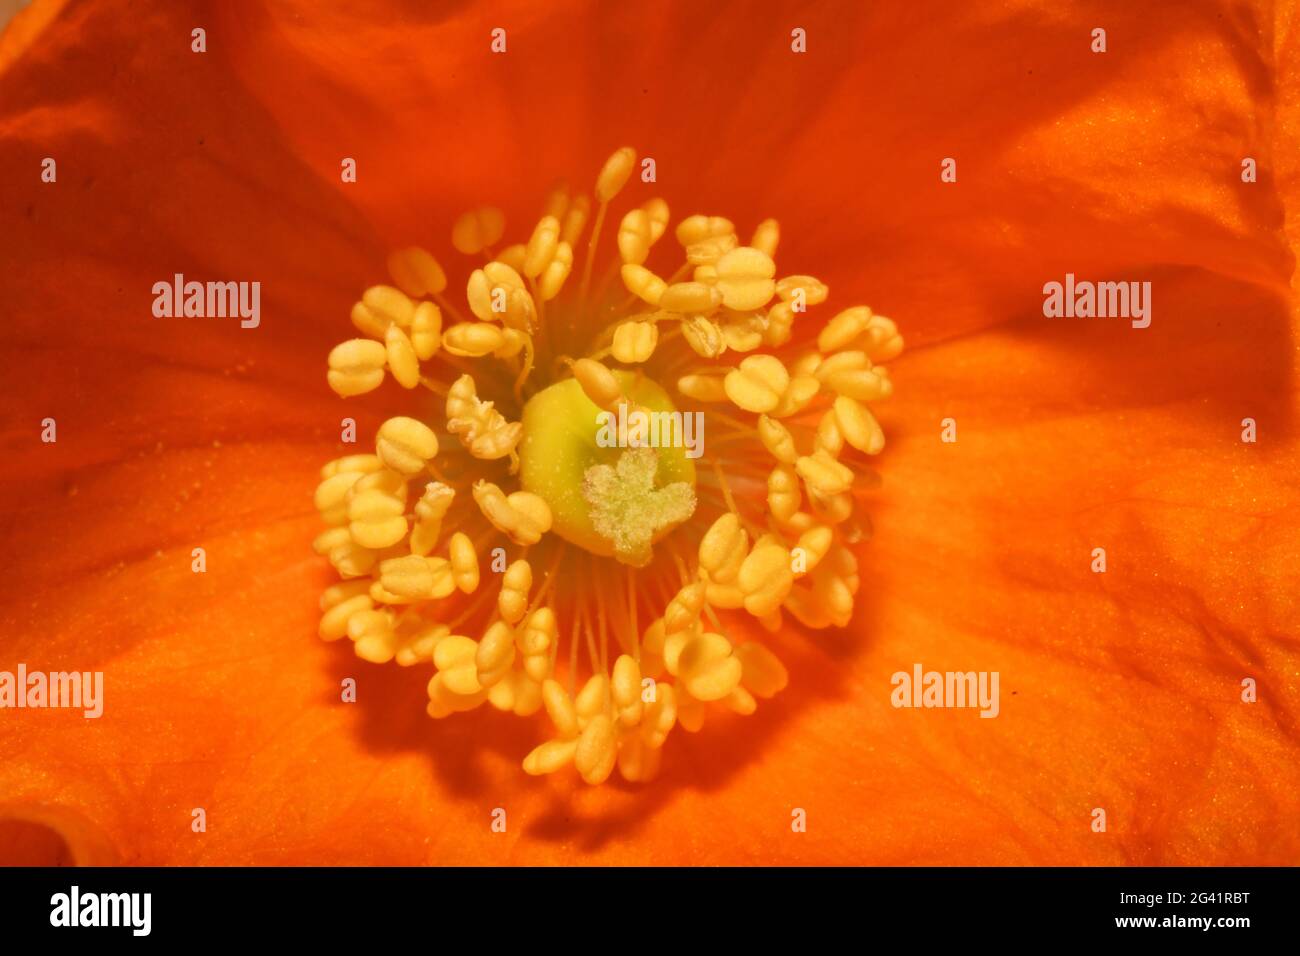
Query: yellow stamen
x=435 y=540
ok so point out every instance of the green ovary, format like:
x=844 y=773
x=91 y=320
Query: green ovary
x=559 y=447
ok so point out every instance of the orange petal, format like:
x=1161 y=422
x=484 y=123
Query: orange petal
x=1120 y=691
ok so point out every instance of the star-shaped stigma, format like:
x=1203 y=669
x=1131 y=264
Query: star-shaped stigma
x=626 y=507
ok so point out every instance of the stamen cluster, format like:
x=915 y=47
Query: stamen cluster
x=452 y=528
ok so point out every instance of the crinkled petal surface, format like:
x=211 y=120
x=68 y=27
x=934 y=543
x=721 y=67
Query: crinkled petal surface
x=1119 y=690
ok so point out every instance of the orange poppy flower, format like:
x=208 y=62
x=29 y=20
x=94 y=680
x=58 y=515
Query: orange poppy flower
x=1162 y=691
